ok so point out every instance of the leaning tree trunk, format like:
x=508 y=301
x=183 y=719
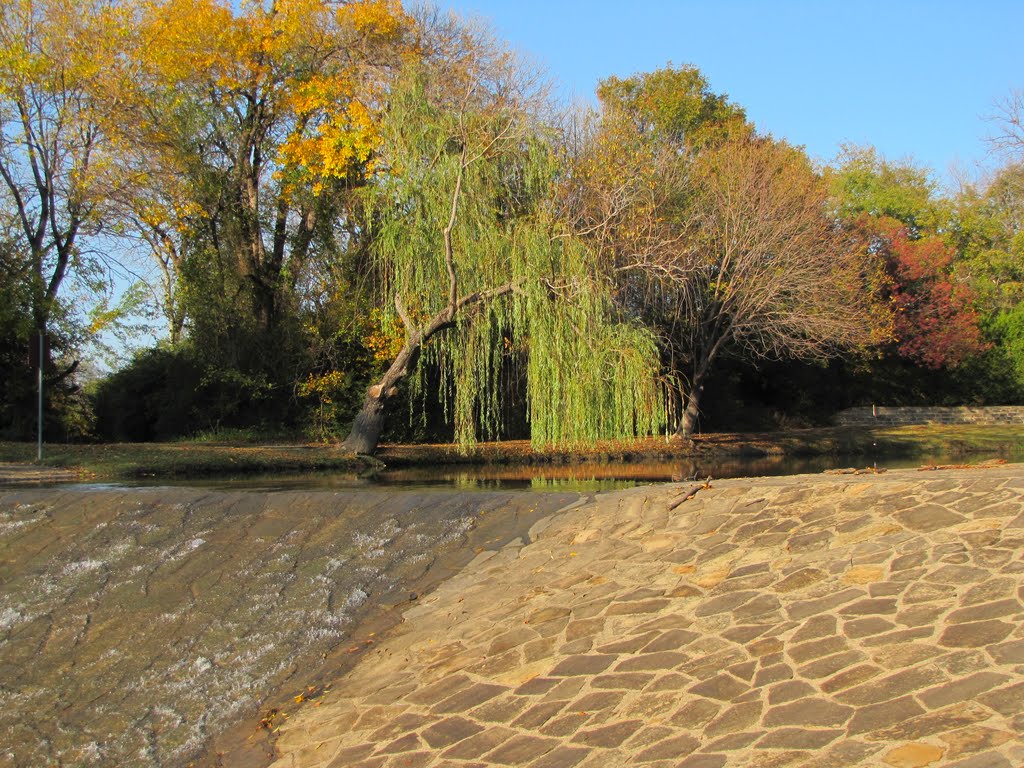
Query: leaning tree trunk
x=366 y=429
x=369 y=422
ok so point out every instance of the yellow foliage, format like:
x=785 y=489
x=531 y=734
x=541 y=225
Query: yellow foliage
x=324 y=386
x=307 y=63
x=383 y=18
x=101 y=320
x=385 y=340
x=338 y=131
x=57 y=46
x=189 y=41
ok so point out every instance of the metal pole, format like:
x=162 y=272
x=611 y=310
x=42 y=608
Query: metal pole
x=39 y=421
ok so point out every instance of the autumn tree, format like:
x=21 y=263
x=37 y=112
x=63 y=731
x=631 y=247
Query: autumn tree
x=241 y=136
x=626 y=190
x=772 y=275
x=674 y=104
x=479 y=273
x=989 y=234
x=47 y=141
x=935 y=322
x=986 y=233
x=863 y=183
x=622 y=193
x=51 y=53
x=240 y=131
x=627 y=184
x=719 y=239
x=918 y=238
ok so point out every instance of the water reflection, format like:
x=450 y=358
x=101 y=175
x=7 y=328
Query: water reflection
x=573 y=477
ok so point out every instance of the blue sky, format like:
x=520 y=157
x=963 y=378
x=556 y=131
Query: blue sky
x=914 y=79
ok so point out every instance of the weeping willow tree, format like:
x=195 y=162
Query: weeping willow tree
x=477 y=272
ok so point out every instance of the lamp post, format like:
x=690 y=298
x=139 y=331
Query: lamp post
x=39 y=413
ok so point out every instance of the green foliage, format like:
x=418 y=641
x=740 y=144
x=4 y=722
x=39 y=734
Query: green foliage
x=232 y=374
x=1007 y=330
x=590 y=380
x=172 y=392
x=67 y=415
x=18 y=381
x=988 y=232
x=865 y=183
x=152 y=398
x=676 y=103
x=953 y=273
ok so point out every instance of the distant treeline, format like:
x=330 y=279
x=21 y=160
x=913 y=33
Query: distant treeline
x=346 y=210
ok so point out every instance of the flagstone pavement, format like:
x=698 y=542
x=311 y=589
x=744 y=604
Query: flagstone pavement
x=873 y=620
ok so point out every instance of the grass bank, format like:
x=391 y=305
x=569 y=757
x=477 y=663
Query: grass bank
x=205 y=459
x=184 y=459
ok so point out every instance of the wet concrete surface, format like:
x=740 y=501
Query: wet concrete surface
x=138 y=625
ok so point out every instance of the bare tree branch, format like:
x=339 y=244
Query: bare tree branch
x=1009 y=121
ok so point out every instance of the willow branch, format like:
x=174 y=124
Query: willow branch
x=410 y=328
x=449 y=255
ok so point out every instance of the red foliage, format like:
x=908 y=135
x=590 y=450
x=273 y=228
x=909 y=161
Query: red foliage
x=935 y=322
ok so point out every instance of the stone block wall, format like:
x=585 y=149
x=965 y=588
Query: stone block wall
x=884 y=416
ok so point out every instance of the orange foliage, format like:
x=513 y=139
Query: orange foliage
x=936 y=322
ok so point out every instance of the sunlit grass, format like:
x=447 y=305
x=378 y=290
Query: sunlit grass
x=135 y=460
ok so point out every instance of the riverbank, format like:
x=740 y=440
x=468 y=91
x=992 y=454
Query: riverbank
x=134 y=461
x=854 y=620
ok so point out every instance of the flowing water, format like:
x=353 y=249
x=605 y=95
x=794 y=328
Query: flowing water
x=137 y=624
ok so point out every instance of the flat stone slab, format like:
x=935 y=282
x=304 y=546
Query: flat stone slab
x=872 y=620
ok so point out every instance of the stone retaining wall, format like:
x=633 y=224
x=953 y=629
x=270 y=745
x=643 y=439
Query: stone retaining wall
x=880 y=415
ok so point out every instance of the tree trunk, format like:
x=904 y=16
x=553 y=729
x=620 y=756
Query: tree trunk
x=692 y=410
x=369 y=423
x=690 y=414
x=710 y=349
